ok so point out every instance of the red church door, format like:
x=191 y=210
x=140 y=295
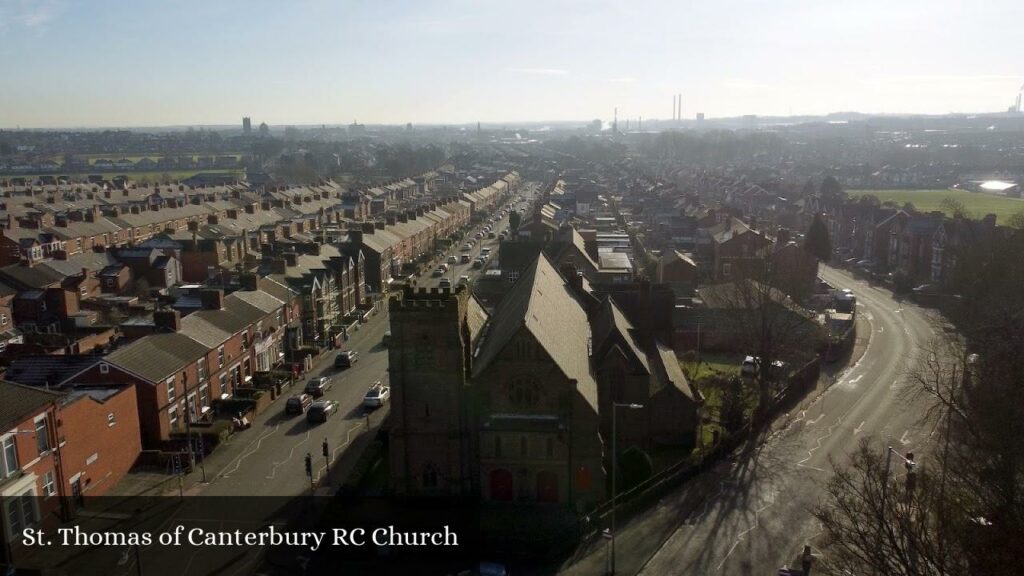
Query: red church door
x=501 y=485
x=547 y=487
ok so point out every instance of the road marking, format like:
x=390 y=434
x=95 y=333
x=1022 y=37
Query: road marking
x=903 y=438
x=348 y=440
x=854 y=380
x=273 y=470
x=881 y=329
x=816 y=420
x=858 y=428
x=238 y=461
x=817 y=444
x=739 y=537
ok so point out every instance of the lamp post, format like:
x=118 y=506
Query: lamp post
x=615 y=465
x=911 y=465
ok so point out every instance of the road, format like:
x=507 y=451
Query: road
x=751 y=515
x=268 y=459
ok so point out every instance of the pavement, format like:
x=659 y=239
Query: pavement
x=750 y=514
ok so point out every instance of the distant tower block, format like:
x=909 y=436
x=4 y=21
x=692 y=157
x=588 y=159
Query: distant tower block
x=700 y=116
x=246 y=125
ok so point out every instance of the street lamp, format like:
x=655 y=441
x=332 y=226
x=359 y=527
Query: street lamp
x=615 y=465
x=911 y=465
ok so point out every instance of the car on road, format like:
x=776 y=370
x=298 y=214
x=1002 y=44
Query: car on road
x=298 y=404
x=477 y=264
x=464 y=280
x=491 y=235
x=478 y=235
x=445 y=283
x=485 y=252
x=467 y=247
x=465 y=259
x=346 y=358
x=321 y=410
x=438 y=272
x=377 y=395
x=453 y=260
x=317 y=386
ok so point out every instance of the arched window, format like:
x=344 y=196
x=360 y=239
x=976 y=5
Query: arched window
x=524 y=392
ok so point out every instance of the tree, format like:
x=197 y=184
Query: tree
x=514 y=220
x=817 y=241
x=954 y=208
x=1016 y=221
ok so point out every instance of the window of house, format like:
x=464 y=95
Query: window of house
x=83 y=290
x=104 y=368
x=9 y=457
x=220 y=357
x=49 y=487
x=171 y=390
x=111 y=419
x=3 y=319
x=726 y=269
x=513 y=275
x=172 y=416
x=21 y=512
x=42 y=435
x=204 y=395
x=201 y=368
x=223 y=384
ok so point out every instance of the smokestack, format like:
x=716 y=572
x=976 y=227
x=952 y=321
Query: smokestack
x=679 y=106
x=673 y=107
x=615 y=122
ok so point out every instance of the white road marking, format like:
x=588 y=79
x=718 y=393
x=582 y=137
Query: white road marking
x=903 y=438
x=273 y=470
x=816 y=420
x=238 y=462
x=858 y=428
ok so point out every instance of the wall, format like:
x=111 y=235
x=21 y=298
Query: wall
x=88 y=432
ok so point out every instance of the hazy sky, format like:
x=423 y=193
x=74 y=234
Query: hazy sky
x=121 y=63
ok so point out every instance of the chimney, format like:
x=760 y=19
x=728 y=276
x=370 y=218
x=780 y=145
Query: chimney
x=311 y=248
x=193 y=225
x=291 y=259
x=212 y=219
x=212 y=298
x=356 y=236
x=378 y=225
x=249 y=282
x=167 y=320
x=278 y=266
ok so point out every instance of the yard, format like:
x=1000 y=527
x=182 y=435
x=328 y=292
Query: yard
x=710 y=376
x=978 y=204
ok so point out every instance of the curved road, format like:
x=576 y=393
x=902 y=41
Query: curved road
x=752 y=516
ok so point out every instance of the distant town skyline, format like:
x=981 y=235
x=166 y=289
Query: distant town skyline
x=112 y=63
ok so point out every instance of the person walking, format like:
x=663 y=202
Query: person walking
x=806 y=560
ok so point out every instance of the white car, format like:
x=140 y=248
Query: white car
x=377 y=395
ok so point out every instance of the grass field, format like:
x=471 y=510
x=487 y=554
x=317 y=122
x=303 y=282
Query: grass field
x=978 y=204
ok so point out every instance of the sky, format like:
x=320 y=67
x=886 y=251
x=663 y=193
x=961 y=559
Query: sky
x=92 y=63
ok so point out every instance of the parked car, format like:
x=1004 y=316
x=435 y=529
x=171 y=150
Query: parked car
x=465 y=259
x=438 y=272
x=317 y=386
x=477 y=264
x=491 y=235
x=453 y=260
x=467 y=247
x=346 y=358
x=321 y=410
x=464 y=280
x=485 y=252
x=297 y=404
x=377 y=395
x=445 y=283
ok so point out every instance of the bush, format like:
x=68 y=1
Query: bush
x=635 y=466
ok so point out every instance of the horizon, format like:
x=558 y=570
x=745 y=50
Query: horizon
x=454 y=62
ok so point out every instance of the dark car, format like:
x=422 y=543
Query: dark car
x=297 y=404
x=321 y=410
x=317 y=386
x=345 y=359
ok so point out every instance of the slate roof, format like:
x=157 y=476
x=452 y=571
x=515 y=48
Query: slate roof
x=158 y=356
x=47 y=370
x=610 y=326
x=669 y=373
x=542 y=303
x=18 y=402
x=31 y=276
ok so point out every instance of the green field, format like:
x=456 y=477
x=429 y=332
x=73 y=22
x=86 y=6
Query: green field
x=978 y=204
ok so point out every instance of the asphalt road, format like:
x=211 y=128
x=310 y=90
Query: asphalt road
x=752 y=515
x=271 y=460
